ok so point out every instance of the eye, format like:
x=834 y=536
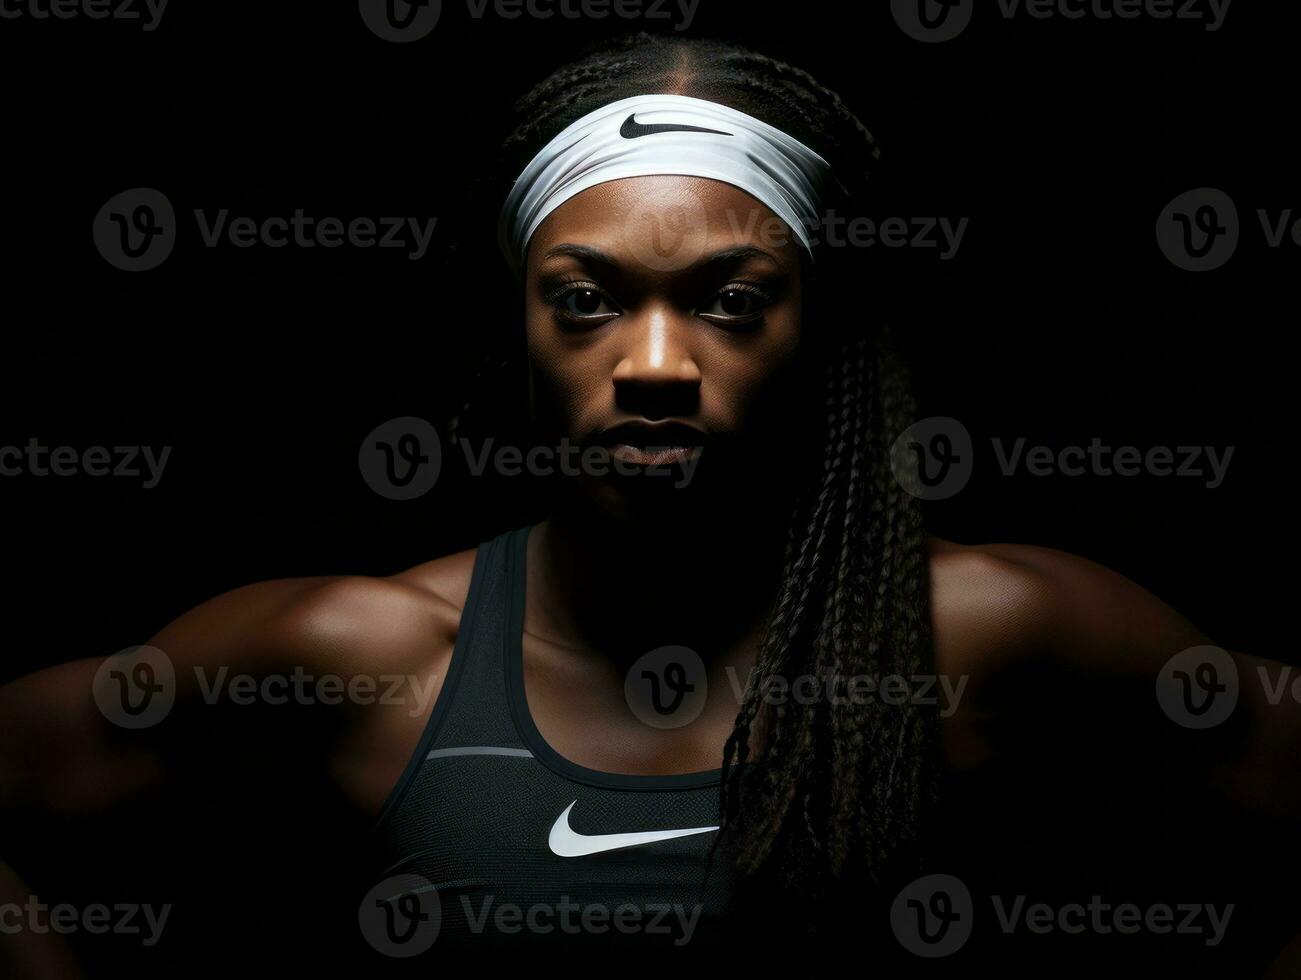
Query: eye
x=582 y=302
x=737 y=303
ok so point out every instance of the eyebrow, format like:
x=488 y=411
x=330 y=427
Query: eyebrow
x=714 y=262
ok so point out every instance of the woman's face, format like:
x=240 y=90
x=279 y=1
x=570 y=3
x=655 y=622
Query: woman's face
x=663 y=316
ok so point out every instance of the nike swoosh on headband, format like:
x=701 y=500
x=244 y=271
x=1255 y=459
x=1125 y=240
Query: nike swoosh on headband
x=632 y=129
x=565 y=842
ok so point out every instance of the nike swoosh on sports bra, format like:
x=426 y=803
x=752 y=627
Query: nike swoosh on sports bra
x=525 y=848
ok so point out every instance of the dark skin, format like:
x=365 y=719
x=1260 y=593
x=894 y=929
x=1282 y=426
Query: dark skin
x=652 y=343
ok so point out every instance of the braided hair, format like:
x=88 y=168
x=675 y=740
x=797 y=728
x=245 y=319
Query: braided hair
x=834 y=792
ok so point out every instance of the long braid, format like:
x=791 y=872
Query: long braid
x=835 y=791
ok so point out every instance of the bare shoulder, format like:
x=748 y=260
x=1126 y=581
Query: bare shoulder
x=997 y=605
x=342 y=624
x=447 y=578
x=1012 y=621
x=58 y=753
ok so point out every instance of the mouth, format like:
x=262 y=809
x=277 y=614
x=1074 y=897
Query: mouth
x=652 y=443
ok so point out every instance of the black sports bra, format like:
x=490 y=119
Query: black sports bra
x=493 y=841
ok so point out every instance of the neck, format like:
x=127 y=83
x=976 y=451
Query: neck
x=702 y=577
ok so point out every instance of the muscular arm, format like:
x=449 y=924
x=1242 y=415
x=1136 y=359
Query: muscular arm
x=24 y=954
x=1065 y=660
x=60 y=755
x=1092 y=631
x=68 y=773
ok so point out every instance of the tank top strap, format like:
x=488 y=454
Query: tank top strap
x=472 y=714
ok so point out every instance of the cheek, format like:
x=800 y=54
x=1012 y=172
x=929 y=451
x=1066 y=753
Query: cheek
x=565 y=378
x=745 y=373
x=547 y=361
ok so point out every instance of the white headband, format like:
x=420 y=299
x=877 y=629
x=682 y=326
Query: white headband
x=648 y=135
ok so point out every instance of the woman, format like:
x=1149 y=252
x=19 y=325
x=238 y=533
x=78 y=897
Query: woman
x=644 y=721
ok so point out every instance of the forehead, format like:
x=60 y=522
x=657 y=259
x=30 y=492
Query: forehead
x=664 y=222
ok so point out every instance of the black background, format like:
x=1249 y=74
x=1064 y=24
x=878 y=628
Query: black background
x=1059 y=319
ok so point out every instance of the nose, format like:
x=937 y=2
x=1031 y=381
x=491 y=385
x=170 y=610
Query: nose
x=657 y=375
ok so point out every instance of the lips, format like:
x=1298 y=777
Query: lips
x=652 y=443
